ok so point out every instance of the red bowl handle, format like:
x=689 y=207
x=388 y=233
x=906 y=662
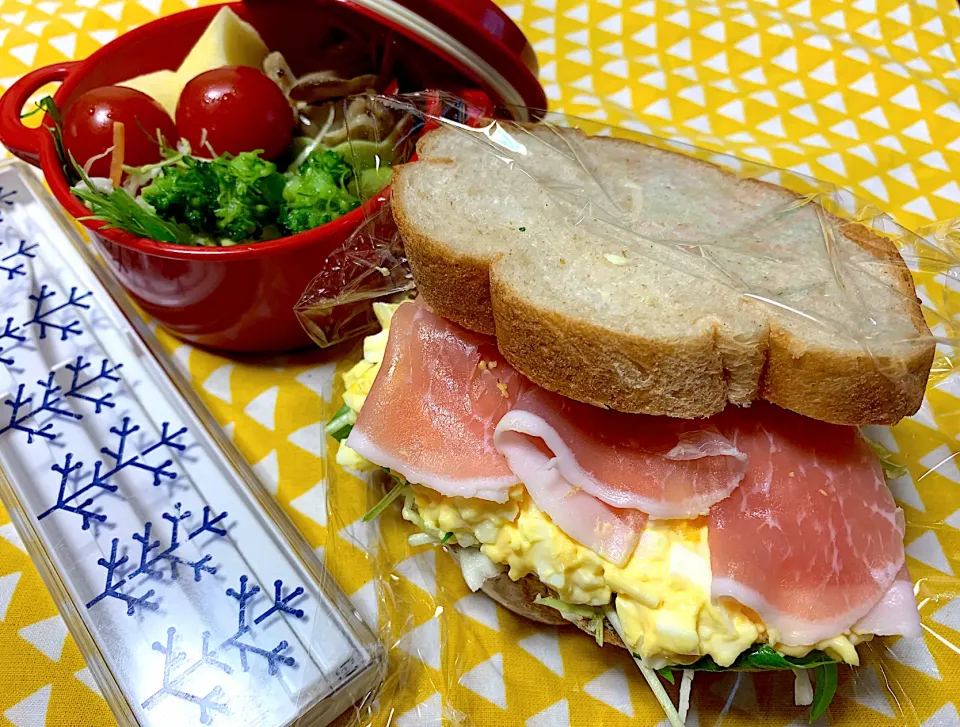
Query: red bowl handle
x=21 y=140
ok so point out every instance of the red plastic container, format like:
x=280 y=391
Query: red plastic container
x=241 y=298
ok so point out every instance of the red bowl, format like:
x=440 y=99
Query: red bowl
x=238 y=298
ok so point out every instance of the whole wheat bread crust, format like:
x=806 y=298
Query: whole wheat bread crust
x=592 y=364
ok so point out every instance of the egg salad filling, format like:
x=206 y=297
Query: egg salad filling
x=661 y=595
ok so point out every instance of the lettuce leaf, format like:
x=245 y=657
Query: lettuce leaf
x=891 y=468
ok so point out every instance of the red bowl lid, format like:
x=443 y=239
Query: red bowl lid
x=475 y=37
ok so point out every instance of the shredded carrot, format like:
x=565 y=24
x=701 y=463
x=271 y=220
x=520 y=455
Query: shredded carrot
x=116 y=159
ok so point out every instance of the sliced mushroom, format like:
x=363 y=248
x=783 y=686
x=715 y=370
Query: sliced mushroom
x=329 y=103
x=325 y=85
x=275 y=67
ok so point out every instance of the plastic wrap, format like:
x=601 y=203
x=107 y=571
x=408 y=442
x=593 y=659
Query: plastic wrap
x=457 y=657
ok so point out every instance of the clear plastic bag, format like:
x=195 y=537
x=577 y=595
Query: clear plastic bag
x=457 y=657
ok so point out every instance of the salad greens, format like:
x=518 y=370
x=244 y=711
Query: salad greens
x=398 y=489
x=762 y=657
x=48 y=106
x=891 y=468
x=227 y=200
x=228 y=197
x=342 y=423
x=244 y=198
x=118 y=210
x=318 y=192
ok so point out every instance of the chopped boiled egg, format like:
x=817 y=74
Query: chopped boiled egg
x=358 y=380
x=662 y=593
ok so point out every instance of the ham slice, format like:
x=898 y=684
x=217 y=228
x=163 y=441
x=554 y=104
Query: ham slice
x=808 y=536
x=811 y=540
x=431 y=413
x=667 y=468
x=611 y=534
x=896 y=613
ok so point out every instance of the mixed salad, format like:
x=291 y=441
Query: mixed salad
x=250 y=154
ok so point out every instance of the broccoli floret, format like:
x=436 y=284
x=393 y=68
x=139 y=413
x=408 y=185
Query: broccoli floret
x=250 y=192
x=232 y=197
x=243 y=197
x=185 y=192
x=330 y=163
x=317 y=193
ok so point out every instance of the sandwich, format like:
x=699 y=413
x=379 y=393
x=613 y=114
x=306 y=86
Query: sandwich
x=627 y=396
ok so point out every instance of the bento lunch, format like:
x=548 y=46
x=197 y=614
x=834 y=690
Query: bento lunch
x=232 y=147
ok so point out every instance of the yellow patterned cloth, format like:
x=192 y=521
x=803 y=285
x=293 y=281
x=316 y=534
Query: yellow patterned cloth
x=863 y=93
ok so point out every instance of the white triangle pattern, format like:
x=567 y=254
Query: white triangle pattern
x=268 y=470
x=318 y=380
x=865 y=688
x=905 y=491
x=363 y=535
x=48 y=636
x=613 y=689
x=949 y=615
x=864 y=152
x=181 y=356
x=915 y=654
x=556 y=715
x=218 y=383
x=942 y=461
x=486 y=679
x=9 y=533
x=423 y=643
x=263 y=408
x=421 y=570
x=32 y=711
x=429 y=713
x=313 y=503
x=366 y=600
x=481 y=608
x=86 y=677
x=311 y=438
x=927 y=550
x=946 y=716
x=8 y=586
x=544 y=646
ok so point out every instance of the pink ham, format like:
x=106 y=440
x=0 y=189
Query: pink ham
x=811 y=539
x=611 y=534
x=431 y=413
x=667 y=468
x=896 y=614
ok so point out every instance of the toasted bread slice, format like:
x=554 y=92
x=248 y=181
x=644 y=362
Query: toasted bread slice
x=679 y=289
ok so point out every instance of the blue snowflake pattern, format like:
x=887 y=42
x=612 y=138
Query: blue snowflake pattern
x=79 y=385
x=44 y=316
x=24 y=414
x=10 y=332
x=78 y=503
x=9 y=264
x=175 y=682
x=150 y=564
x=6 y=199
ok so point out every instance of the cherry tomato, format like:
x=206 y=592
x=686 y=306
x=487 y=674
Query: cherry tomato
x=234 y=109
x=88 y=127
